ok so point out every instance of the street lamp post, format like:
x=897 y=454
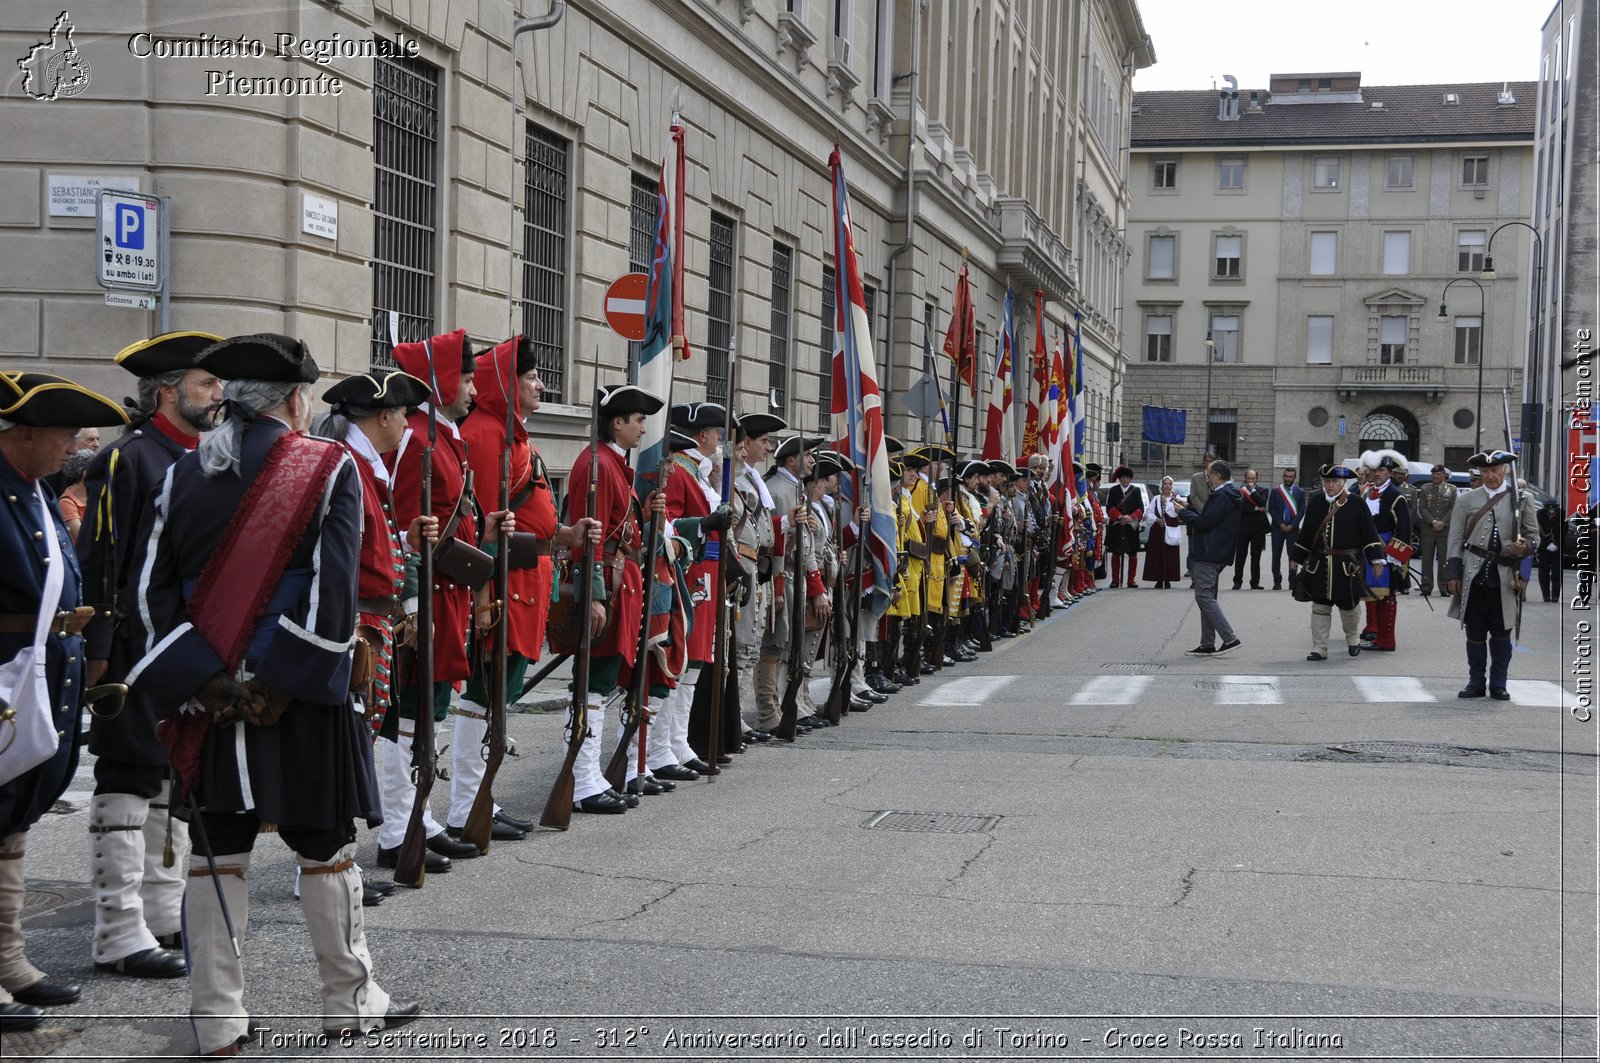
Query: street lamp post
x=1483 y=335
x=1531 y=444
x=1211 y=350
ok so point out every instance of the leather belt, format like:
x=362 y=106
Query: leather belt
x=388 y=608
x=64 y=622
x=1504 y=560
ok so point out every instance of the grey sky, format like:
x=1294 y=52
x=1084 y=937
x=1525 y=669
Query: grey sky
x=1392 y=42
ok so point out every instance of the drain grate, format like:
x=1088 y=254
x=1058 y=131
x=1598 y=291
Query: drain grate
x=42 y=898
x=1234 y=684
x=932 y=822
x=21 y=1044
x=1132 y=666
x=1407 y=749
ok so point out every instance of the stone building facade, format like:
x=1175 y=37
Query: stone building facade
x=1292 y=247
x=392 y=209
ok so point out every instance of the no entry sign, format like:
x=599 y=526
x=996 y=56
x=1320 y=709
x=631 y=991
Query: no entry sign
x=625 y=305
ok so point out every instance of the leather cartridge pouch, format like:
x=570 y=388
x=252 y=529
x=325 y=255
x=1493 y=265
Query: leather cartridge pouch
x=363 y=658
x=464 y=565
x=764 y=568
x=526 y=549
x=564 y=625
x=917 y=550
x=938 y=543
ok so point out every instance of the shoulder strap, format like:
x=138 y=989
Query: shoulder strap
x=1472 y=525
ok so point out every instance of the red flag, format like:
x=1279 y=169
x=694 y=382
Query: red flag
x=961 y=341
x=1041 y=372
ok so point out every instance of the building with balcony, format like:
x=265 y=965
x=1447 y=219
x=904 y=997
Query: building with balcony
x=1292 y=248
x=416 y=200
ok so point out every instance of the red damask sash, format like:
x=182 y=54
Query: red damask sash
x=248 y=562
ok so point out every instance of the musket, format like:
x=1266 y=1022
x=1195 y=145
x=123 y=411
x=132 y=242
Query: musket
x=921 y=618
x=558 y=806
x=727 y=551
x=838 y=704
x=1521 y=581
x=796 y=603
x=409 y=861
x=479 y=827
x=538 y=677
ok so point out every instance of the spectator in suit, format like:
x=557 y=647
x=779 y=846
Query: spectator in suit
x=1253 y=525
x=1285 y=506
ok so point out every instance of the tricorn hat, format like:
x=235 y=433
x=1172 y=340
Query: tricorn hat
x=1002 y=467
x=756 y=425
x=1092 y=469
x=974 y=467
x=377 y=392
x=897 y=468
x=677 y=441
x=165 y=353
x=914 y=459
x=1484 y=459
x=829 y=463
x=1338 y=472
x=1023 y=469
x=891 y=445
x=934 y=452
x=265 y=356
x=794 y=444
x=698 y=416
x=44 y=400
x=621 y=400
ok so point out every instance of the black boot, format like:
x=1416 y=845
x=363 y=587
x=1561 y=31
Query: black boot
x=1477 y=658
x=1499 y=666
x=980 y=629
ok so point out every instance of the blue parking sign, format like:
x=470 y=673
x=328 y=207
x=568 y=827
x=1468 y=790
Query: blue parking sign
x=130 y=226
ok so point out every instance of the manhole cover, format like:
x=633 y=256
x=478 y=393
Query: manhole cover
x=932 y=822
x=1406 y=749
x=41 y=898
x=1132 y=666
x=40 y=1042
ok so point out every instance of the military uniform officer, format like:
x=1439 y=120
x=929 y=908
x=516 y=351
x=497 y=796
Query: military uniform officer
x=1388 y=577
x=619 y=593
x=967 y=595
x=446 y=362
x=690 y=493
x=1436 y=501
x=1489 y=537
x=507 y=374
x=248 y=583
x=754 y=536
x=1337 y=538
x=40 y=416
x=925 y=501
x=792 y=463
x=136 y=849
x=906 y=624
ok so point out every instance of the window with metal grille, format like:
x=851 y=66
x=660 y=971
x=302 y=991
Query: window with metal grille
x=719 y=309
x=643 y=213
x=544 y=256
x=405 y=155
x=830 y=311
x=1222 y=430
x=778 y=335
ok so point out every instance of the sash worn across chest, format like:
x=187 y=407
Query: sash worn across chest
x=248 y=562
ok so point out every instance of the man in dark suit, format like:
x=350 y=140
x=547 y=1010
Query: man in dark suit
x=40 y=415
x=1285 y=506
x=1253 y=524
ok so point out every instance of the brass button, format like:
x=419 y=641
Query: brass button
x=38 y=535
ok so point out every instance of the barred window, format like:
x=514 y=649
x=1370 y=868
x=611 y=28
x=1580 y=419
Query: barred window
x=643 y=215
x=830 y=313
x=405 y=154
x=544 y=257
x=778 y=348
x=719 y=309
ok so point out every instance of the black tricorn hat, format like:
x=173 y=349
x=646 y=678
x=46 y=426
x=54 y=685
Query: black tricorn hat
x=44 y=400
x=1484 y=459
x=934 y=452
x=165 y=353
x=1002 y=467
x=265 y=356
x=1338 y=472
x=897 y=468
x=698 y=416
x=621 y=400
x=756 y=425
x=373 y=392
x=677 y=441
x=914 y=459
x=829 y=463
x=795 y=444
x=1022 y=469
x=975 y=467
x=891 y=445
x=1092 y=469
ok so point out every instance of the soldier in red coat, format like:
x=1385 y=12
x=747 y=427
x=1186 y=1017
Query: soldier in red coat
x=619 y=601
x=446 y=362
x=509 y=370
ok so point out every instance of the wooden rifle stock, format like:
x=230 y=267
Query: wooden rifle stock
x=479 y=827
x=796 y=590
x=838 y=704
x=727 y=551
x=558 y=806
x=409 y=862
x=634 y=711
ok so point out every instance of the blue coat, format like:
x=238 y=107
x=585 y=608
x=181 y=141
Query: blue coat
x=313 y=768
x=118 y=484
x=22 y=530
x=1216 y=527
x=1280 y=513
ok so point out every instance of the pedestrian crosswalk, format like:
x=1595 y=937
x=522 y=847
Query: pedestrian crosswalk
x=1089 y=691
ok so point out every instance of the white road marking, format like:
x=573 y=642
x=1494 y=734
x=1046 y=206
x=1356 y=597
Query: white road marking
x=1538 y=694
x=1111 y=690
x=968 y=690
x=1249 y=690
x=1396 y=688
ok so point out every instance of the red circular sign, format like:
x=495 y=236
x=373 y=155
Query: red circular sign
x=625 y=305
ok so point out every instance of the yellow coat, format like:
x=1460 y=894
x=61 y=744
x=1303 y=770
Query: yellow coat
x=908 y=530
x=923 y=498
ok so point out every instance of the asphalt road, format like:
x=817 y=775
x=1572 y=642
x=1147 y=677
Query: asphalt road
x=1143 y=855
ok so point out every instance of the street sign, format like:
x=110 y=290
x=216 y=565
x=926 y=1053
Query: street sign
x=128 y=240
x=625 y=305
x=132 y=300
